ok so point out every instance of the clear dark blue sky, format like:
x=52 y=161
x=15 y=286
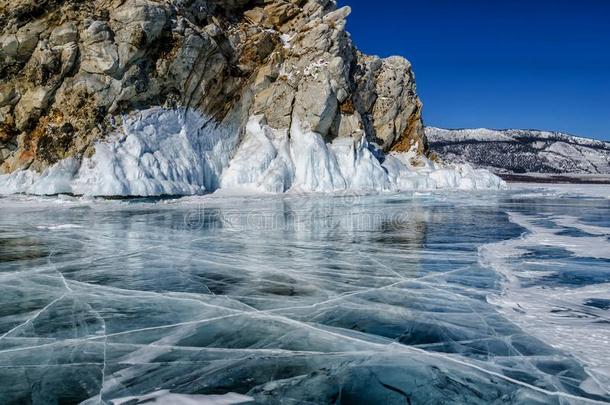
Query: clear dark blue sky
x=542 y=64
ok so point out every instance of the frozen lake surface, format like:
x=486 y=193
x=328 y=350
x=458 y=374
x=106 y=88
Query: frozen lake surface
x=406 y=298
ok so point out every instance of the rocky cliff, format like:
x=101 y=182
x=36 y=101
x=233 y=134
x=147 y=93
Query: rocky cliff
x=70 y=70
x=144 y=97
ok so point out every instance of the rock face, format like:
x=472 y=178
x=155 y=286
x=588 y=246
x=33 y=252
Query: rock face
x=70 y=70
x=521 y=151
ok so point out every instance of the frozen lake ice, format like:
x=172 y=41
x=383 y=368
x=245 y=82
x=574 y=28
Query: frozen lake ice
x=406 y=298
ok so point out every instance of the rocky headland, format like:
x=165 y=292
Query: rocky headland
x=274 y=75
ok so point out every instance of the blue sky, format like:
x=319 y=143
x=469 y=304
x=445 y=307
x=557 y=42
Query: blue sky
x=538 y=64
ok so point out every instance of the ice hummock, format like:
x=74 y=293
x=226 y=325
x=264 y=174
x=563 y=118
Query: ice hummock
x=179 y=152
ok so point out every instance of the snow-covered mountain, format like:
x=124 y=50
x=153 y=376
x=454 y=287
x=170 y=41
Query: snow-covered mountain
x=521 y=151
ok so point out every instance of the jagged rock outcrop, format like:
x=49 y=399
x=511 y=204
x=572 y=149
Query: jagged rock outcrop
x=69 y=71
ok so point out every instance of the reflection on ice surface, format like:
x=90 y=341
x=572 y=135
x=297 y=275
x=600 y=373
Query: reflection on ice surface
x=407 y=298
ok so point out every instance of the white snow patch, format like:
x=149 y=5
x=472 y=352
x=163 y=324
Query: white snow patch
x=286 y=39
x=179 y=152
x=58 y=227
x=571 y=222
x=534 y=308
x=564 y=190
x=314 y=68
x=166 y=397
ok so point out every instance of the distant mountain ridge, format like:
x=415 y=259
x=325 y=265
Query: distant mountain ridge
x=514 y=151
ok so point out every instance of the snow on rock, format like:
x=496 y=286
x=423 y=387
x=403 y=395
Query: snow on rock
x=521 y=151
x=178 y=152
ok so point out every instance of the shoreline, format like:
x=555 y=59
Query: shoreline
x=553 y=178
